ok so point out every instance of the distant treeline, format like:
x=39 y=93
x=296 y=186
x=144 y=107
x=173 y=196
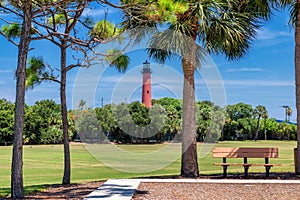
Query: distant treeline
x=135 y=123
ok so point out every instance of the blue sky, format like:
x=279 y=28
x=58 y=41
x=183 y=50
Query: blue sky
x=264 y=76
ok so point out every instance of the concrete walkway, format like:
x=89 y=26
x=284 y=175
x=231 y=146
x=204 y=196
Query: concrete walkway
x=116 y=189
x=124 y=189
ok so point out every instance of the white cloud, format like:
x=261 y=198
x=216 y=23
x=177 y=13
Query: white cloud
x=258 y=83
x=267 y=34
x=226 y=83
x=245 y=69
x=97 y=12
x=110 y=79
x=5 y=71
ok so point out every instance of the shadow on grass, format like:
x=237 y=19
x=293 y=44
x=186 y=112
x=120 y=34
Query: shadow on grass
x=5 y=192
x=54 y=191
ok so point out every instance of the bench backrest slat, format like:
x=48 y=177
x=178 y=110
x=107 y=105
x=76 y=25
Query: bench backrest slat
x=245 y=152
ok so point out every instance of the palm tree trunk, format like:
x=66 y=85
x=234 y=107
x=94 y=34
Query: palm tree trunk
x=17 y=191
x=265 y=128
x=189 y=162
x=257 y=128
x=67 y=159
x=297 y=74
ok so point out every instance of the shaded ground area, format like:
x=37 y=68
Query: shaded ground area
x=73 y=191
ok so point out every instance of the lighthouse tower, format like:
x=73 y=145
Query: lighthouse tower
x=146 y=92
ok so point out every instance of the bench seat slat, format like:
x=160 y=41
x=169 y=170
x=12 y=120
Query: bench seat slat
x=245 y=152
x=241 y=164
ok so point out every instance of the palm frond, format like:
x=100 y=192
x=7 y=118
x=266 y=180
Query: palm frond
x=116 y=59
x=121 y=63
x=294 y=8
x=261 y=8
x=220 y=26
x=104 y=29
x=31 y=81
x=35 y=72
x=172 y=43
x=159 y=55
x=35 y=64
x=12 y=31
x=227 y=31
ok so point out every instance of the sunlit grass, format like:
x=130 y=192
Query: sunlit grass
x=43 y=164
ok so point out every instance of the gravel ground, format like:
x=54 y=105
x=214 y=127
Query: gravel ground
x=197 y=191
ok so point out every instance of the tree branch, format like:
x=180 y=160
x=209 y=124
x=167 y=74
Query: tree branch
x=9 y=10
x=50 y=79
x=9 y=39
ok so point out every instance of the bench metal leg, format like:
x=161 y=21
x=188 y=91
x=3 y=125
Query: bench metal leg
x=224 y=171
x=246 y=168
x=268 y=171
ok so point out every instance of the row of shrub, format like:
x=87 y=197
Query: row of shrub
x=135 y=123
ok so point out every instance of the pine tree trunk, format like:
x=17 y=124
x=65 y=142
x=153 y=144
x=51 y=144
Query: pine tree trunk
x=64 y=112
x=17 y=157
x=297 y=77
x=189 y=162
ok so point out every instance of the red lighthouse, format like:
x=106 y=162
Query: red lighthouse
x=146 y=93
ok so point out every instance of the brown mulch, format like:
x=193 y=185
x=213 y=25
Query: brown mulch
x=72 y=191
x=187 y=191
x=213 y=191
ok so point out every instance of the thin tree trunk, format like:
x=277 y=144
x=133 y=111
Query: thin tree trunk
x=189 y=161
x=257 y=129
x=17 y=191
x=67 y=159
x=265 y=128
x=297 y=74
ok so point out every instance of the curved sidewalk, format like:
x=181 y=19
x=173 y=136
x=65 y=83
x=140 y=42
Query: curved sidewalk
x=124 y=189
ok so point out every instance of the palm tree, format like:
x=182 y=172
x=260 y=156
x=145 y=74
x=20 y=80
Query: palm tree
x=37 y=71
x=259 y=111
x=295 y=19
x=289 y=113
x=265 y=116
x=220 y=26
x=81 y=104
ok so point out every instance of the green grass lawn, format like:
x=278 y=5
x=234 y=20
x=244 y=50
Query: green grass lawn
x=43 y=164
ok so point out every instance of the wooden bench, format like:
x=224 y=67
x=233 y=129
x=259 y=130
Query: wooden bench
x=245 y=153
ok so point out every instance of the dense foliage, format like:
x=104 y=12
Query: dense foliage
x=42 y=123
x=6 y=121
x=135 y=123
